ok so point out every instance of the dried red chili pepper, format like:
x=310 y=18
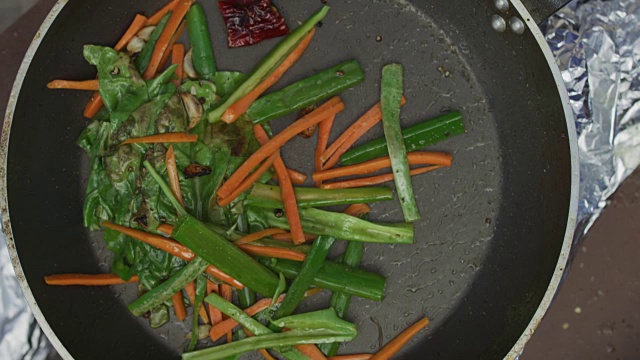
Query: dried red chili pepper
x=251 y=21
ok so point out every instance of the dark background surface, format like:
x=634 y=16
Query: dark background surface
x=595 y=315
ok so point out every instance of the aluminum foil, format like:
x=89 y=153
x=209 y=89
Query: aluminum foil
x=597 y=47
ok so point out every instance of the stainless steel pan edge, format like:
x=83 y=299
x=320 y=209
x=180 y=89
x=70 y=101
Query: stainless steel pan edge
x=515 y=351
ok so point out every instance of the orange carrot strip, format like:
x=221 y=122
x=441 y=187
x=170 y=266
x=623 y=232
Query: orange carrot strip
x=172 y=172
x=191 y=291
x=87 y=279
x=74 y=85
x=172 y=247
x=155 y=18
x=311 y=351
x=258 y=235
x=357 y=209
x=286 y=190
x=227 y=294
x=332 y=155
x=178 y=137
x=324 y=132
x=166 y=228
x=177 y=58
x=296 y=177
x=373 y=180
x=178 y=306
x=240 y=107
x=396 y=344
x=248 y=182
x=169 y=30
x=136 y=25
x=214 y=313
x=331 y=107
x=288 y=237
x=273 y=252
x=174 y=39
x=367 y=167
x=266 y=354
x=351 y=357
x=93 y=106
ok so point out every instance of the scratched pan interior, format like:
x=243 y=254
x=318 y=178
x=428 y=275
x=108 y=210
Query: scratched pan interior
x=492 y=224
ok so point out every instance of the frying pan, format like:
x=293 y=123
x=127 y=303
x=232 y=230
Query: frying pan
x=496 y=229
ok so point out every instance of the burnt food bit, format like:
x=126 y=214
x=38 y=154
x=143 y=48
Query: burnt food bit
x=194 y=170
x=278 y=213
x=308 y=132
x=250 y=21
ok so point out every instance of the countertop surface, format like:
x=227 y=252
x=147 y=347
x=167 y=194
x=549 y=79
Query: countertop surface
x=596 y=314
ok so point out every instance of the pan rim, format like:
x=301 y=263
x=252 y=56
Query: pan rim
x=517 y=348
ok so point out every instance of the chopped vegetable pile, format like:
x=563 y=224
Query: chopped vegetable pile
x=196 y=203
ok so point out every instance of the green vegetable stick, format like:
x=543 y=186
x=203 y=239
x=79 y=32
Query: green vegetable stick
x=312 y=264
x=165 y=188
x=204 y=61
x=335 y=277
x=314 y=197
x=268 y=63
x=390 y=97
x=246 y=297
x=306 y=92
x=164 y=291
x=415 y=137
x=224 y=255
x=142 y=61
x=201 y=291
x=341 y=226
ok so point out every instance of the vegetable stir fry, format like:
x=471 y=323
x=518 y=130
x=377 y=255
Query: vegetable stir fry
x=196 y=203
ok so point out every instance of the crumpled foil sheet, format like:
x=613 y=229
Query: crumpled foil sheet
x=597 y=47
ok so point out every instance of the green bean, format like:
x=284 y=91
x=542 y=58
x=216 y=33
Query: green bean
x=306 y=92
x=415 y=137
x=204 y=61
x=390 y=97
x=142 y=60
x=314 y=197
x=201 y=291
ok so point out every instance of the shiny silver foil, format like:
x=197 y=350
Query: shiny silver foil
x=597 y=47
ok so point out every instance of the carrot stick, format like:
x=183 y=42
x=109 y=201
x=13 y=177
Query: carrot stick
x=367 y=167
x=178 y=137
x=248 y=182
x=357 y=209
x=74 y=85
x=296 y=177
x=222 y=328
x=87 y=279
x=177 y=58
x=172 y=247
x=396 y=344
x=351 y=357
x=174 y=39
x=331 y=107
x=155 y=18
x=137 y=24
x=93 y=106
x=332 y=155
x=172 y=172
x=238 y=108
x=191 y=292
x=166 y=228
x=373 y=180
x=311 y=351
x=324 y=131
x=266 y=354
x=178 y=306
x=169 y=30
x=227 y=294
x=288 y=237
x=286 y=190
x=273 y=252
x=258 y=235
x=215 y=315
